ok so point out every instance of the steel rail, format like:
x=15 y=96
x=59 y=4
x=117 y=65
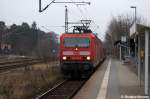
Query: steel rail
x=64 y=90
x=17 y=64
x=57 y=85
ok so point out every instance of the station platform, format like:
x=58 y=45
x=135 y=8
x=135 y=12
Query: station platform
x=113 y=80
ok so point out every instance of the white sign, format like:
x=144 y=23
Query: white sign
x=133 y=29
x=123 y=39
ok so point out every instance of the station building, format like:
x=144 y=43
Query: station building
x=141 y=35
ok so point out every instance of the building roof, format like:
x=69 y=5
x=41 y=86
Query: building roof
x=138 y=28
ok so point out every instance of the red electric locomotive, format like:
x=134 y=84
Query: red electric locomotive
x=80 y=53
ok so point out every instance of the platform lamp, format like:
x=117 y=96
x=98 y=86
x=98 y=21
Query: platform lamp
x=139 y=60
x=134 y=7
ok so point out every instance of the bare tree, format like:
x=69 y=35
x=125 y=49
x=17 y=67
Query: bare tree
x=119 y=26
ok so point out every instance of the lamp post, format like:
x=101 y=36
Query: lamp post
x=134 y=7
x=139 y=59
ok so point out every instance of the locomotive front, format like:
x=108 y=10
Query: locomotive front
x=76 y=54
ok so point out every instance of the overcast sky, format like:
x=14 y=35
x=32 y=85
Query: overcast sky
x=100 y=11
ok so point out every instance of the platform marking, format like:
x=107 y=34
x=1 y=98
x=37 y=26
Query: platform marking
x=103 y=90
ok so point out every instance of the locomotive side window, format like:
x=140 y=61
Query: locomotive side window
x=76 y=41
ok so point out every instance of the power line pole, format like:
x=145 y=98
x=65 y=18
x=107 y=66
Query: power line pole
x=66 y=19
x=66 y=10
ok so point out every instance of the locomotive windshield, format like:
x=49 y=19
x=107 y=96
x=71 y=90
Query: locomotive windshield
x=76 y=41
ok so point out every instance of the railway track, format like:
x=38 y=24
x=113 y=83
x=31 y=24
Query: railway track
x=64 y=90
x=18 y=63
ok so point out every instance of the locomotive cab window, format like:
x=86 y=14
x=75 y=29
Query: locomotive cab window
x=76 y=42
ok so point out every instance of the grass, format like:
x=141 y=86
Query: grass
x=24 y=83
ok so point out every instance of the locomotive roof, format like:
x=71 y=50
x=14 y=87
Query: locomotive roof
x=80 y=34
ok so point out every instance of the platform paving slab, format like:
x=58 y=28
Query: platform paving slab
x=122 y=84
x=92 y=86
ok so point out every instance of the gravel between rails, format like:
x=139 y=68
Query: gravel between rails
x=64 y=90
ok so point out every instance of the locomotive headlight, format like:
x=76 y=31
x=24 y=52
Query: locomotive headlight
x=88 y=57
x=64 y=57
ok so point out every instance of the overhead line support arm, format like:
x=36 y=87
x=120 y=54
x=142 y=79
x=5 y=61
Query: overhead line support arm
x=41 y=10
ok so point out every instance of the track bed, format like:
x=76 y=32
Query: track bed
x=64 y=90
